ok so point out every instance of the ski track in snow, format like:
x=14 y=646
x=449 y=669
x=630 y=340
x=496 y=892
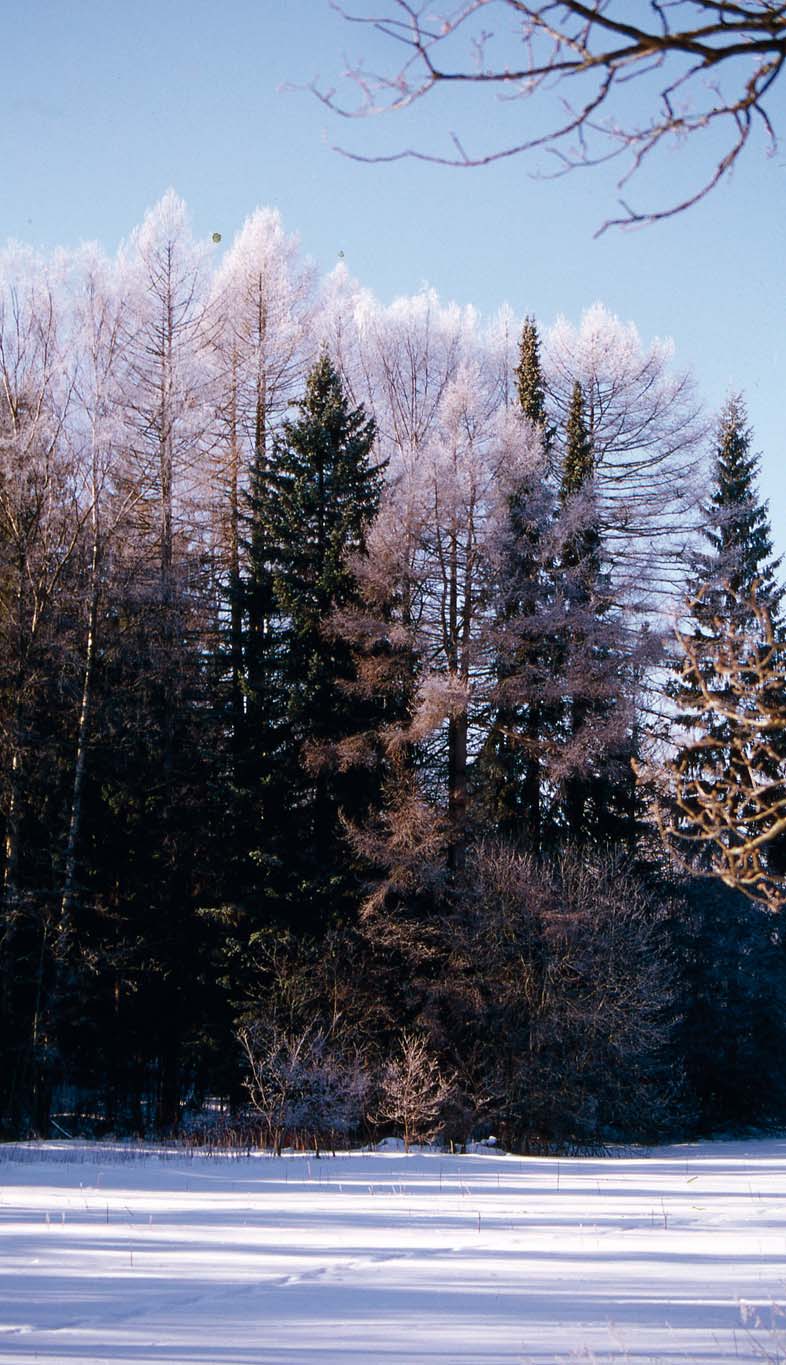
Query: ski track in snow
x=676 y=1255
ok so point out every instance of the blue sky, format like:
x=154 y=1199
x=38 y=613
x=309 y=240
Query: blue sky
x=103 y=105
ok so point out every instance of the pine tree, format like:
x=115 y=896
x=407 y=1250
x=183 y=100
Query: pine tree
x=578 y=470
x=580 y=570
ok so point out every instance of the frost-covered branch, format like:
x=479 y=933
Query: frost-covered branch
x=726 y=803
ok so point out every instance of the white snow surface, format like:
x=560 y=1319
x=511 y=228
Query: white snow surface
x=674 y=1255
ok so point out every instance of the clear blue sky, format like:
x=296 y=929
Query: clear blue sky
x=104 y=104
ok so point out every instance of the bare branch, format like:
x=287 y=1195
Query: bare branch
x=534 y=49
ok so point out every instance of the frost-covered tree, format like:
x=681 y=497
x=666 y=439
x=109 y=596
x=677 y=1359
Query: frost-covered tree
x=45 y=504
x=99 y=435
x=414 y=1091
x=737 y=525
x=642 y=423
x=729 y=690
x=168 y=397
x=725 y=801
x=262 y=300
x=41 y=513
x=439 y=536
x=158 y=671
x=302 y=1083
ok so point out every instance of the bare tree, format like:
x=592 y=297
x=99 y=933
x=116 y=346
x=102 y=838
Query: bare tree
x=560 y=975
x=703 y=66
x=727 y=806
x=167 y=385
x=97 y=434
x=262 y=307
x=42 y=513
x=301 y=1083
x=644 y=424
x=415 y=1092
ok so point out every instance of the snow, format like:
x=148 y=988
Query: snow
x=107 y=1255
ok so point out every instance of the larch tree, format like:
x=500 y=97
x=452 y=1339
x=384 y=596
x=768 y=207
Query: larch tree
x=261 y=342
x=438 y=542
x=262 y=300
x=580 y=560
x=411 y=361
x=44 y=502
x=170 y=411
x=642 y=419
x=99 y=435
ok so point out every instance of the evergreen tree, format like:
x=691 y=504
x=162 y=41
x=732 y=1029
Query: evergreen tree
x=529 y=376
x=580 y=566
x=724 y=580
x=577 y=466
x=598 y=791
x=734 y=602
x=738 y=529
x=508 y=769
x=321 y=495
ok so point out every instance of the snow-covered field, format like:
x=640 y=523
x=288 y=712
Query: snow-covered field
x=679 y=1255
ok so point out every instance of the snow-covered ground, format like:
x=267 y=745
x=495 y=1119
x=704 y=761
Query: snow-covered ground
x=679 y=1255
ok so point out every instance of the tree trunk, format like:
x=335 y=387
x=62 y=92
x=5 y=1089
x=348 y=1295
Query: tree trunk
x=80 y=765
x=457 y=789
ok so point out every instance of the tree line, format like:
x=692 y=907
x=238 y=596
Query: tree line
x=334 y=635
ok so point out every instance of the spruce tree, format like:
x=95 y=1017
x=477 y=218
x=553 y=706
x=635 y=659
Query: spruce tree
x=321 y=496
x=737 y=566
x=732 y=584
x=598 y=795
x=508 y=769
x=529 y=376
x=580 y=570
x=578 y=465
x=738 y=530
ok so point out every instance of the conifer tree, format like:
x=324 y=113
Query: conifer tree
x=738 y=565
x=321 y=497
x=529 y=377
x=598 y=789
x=508 y=769
x=738 y=523
x=734 y=603
x=578 y=465
x=580 y=560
